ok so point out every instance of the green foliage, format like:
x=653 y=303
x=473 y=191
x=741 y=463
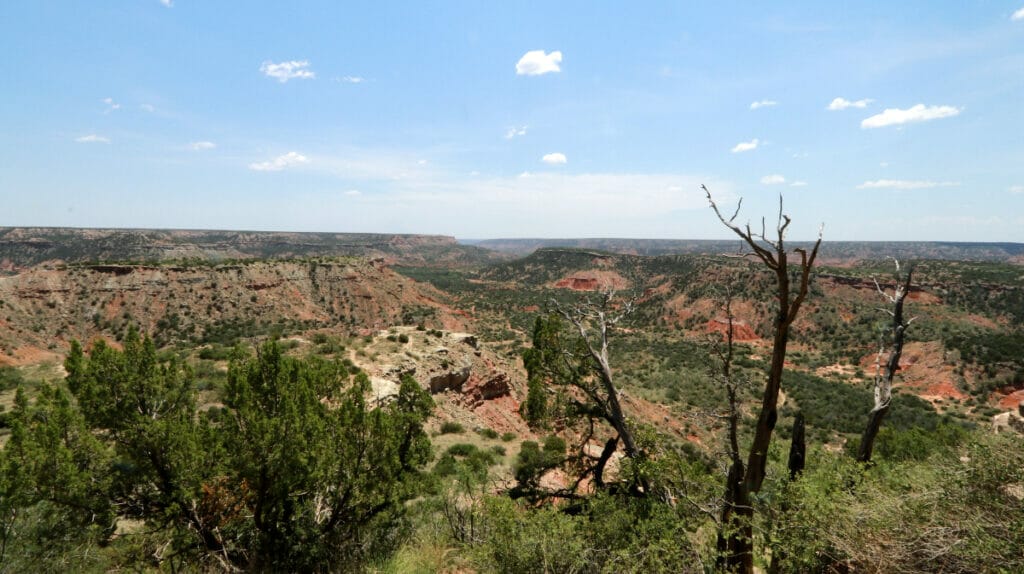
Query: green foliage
x=465 y=458
x=452 y=427
x=296 y=473
x=951 y=510
x=995 y=348
x=917 y=443
x=292 y=451
x=488 y=433
x=608 y=534
x=843 y=408
x=532 y=461
x=215 y=353
x=10 y=378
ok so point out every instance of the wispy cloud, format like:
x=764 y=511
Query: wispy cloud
x=843 y=103
x=353 y=192
x=798 y=184
x=1016 y=188
x=200 y=146
x=92 y=138
x=536 y=63
x=514 y=132
x=111 y=104
x=745 y=146
x=774 y=179
x=290 y=159
x=918 y=113
x=399 y=195
x=147 y=108
x=904 y=184
x=284 y=71
x=1018 y=15
x=168 y=3
x=763 y=104
x=353 y=79
x=554 y=159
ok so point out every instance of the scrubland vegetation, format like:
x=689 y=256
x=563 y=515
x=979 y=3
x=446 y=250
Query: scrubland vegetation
x=250 y=444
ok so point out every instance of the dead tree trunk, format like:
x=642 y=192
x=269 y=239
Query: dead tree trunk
x=772 y=253
x=797 y=448
x=602 y=317
x=734 y=476
x=883 y=381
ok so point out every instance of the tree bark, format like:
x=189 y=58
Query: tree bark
x=771 y=252
x=606 y=455
x=797 y=448
x=883 y=383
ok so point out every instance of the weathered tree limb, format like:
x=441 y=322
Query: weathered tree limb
x=884 y=381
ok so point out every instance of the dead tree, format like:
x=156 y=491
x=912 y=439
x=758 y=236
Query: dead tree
x=884 y=380
x=594 y=322
x=734 y=474
x=577 y=369
x=743 y=481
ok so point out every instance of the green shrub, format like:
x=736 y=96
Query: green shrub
x=10 y=378
x=462 y=449
x=452 y=427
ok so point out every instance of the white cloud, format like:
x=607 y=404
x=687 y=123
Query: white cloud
x=353 y=79
x=763 y=104
x=773 y=179
x=422 y=162
x=92 y=138
x=798 y=184
x=168 y=3
x=514 y=131
x=745 y=146
x=554 y=159
x=1018 y=15
x=147 y=107
x=111 y=104
x=353 y=192
x=284 y=71
x=918 y=113
x=905 y=184
x=1017 y=188
x=398 y=195
x=280 y=162
x=536 y=62
x=200 y=146
x=843 y=103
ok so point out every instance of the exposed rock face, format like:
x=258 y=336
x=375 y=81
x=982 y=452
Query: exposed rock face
x=578 y=284
x=24 y=247
x=480 y=390
x=46 y=308
x=469 y=382
x=741 y=330
x=592 y=280
x=383 y=389
x=1009 y=421
x=450 y=381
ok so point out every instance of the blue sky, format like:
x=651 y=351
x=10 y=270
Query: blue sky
x=487 y=119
